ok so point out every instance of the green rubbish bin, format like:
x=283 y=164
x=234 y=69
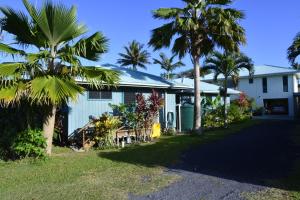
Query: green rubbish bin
x=187 y=117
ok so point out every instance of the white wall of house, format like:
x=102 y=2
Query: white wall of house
x=274 y=89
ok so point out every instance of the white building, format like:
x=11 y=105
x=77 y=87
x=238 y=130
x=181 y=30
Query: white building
x=277 y=89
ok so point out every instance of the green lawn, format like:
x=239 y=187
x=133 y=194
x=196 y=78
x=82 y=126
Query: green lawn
x=108 y=174
x=290 y=185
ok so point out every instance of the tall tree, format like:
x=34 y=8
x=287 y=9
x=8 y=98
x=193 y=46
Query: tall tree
x=228 y=65
x=168 y=65
x=135 y=56
x=198 y=27
x=190 y=73
x=294 y=52
x=51 y=60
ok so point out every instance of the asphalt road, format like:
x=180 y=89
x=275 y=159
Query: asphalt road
x=240 y=163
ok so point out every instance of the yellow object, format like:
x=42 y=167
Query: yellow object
x=155 y=130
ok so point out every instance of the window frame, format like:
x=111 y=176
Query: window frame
x=251 y=80
x=285 y=87
x=129 y=92
x=100 y=96
x=265 y=85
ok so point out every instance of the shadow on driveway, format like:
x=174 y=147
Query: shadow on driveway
x=256 y=154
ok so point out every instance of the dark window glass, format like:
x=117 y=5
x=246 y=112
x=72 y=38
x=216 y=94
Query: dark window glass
x=106 y=95
x=129 y=98
x=94 y=94
x=100 y=95
x=230 y=84
x=250 y=80
x=285 y=83
x=265 y=85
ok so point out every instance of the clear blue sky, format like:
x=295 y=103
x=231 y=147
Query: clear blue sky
x=270 y=25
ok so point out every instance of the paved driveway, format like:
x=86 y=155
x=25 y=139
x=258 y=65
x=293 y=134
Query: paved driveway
x=239 y=163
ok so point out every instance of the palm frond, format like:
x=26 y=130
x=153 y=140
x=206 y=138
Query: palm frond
x=13 y=93
x=18 y=24
x=89 y=48
x=166 y=13
x=294 y=50
x=162 y=36
x=58 y=23
x=4 y=48
x=134 y=56
x=53 y=90
x=98 y=77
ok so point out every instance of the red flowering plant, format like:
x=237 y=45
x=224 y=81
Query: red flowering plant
x=155 y=103
x=243 y=102
x=147 y=110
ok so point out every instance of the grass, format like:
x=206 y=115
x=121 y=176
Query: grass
x=107 y=174
x=289 y=186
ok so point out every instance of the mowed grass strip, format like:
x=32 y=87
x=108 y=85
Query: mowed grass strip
x=107 y=174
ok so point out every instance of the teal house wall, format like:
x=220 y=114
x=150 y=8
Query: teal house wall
x=79 y=111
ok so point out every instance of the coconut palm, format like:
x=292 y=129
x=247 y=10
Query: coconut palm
x=228 y=65
x=134 y=56
x=198 y=27
x=50 y=52
x=190 y=73
x=168 y=65
x=294 y=52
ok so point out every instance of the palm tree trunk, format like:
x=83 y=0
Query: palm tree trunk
x=225 y=106
x=197 y=94
x=48 y=128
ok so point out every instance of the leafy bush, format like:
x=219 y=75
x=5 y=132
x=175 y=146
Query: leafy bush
x=235 y=114
x=30 y=143
x=258 y=111
x=214 y=118
x=105 y=130
x=169 y=132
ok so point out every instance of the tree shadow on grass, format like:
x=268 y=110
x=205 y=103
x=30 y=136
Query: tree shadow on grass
x=257 y=155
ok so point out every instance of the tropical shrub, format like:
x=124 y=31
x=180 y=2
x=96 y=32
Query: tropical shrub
x=258 y=111
x=169 y=132
x=214 y=118
x=106 y=128
x=30 y=143
x=141 y=115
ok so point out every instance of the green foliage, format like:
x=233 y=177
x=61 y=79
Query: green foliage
x=169 y=132
x=239 y=110
x=106 y=174
x=168 y=65
x=214 y=118
x=294 y=52
x=15 y=120
x=30 y=143
x=52 y=48
x=127 y=115
x=258 y=110
x=105 y=130
x=135 y=55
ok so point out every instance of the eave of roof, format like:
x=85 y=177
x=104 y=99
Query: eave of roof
x=131 y=78
x=268 y=70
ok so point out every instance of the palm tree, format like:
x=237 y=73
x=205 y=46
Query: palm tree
x=294 y=52
x=168 y=65
x=190 y=73
x=135 y=56
x=51 y=59
x=228 y=65
x=198 y=27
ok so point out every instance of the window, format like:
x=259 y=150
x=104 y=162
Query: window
x=129 y=98
x=265 y=85
x=93 y=95
x=250 y=80
x=285 y=83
